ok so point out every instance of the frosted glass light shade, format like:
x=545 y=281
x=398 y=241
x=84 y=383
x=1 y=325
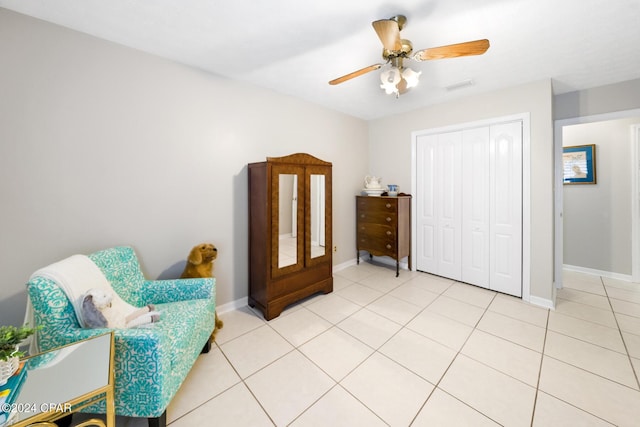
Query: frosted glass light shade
x=411 y=77
x=399 y=80
x=390 y=79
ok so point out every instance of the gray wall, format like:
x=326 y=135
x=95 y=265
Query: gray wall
x=597 y=218
x=604 y=99
x=103 y=145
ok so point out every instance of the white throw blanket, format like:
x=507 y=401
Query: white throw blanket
x=75 y=276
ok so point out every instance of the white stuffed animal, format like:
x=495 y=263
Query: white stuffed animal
x=99 y=312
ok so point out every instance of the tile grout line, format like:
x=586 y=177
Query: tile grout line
x=243 y=382
x=376 y=350
x=451 y=363
x=544 y=344
x=624 y=342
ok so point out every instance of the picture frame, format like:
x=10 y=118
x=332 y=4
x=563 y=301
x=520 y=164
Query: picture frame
x=579 y=164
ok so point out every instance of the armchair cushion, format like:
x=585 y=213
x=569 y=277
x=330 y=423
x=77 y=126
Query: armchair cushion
x=150 y=363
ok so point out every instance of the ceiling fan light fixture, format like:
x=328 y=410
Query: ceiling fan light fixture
x=389 y=89
x=396 y=80
x=412 y=77
x=390 y=78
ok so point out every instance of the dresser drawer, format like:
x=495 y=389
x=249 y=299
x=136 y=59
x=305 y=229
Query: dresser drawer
x=379 y=239
x=376 y=217
x=378 y=204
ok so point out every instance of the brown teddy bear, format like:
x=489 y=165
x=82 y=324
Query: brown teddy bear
x=200 y=264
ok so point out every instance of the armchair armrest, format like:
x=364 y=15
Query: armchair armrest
x=59 y=337
x=164 y=291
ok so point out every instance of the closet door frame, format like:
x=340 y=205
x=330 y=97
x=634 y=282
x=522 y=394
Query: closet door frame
x=526 y=184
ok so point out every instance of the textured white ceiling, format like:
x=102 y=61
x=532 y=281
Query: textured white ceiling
x=295 y=47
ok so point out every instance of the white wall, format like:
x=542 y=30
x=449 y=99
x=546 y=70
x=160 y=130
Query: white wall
x=390 y=157
x=597 y=218
x=103 y=145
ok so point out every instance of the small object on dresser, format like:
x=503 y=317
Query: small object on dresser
x=373 y=186
x=374 y=193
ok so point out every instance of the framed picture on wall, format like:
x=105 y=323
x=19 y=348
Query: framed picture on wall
x=579 y=164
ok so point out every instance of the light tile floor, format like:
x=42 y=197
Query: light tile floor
x=423 y=351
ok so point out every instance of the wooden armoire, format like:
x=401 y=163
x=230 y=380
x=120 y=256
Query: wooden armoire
x=290 y=231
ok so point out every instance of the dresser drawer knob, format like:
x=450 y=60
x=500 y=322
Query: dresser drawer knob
x=388 y=205
x=388 y=219
x=361 y=215
x=388 y=246
x=388 y=233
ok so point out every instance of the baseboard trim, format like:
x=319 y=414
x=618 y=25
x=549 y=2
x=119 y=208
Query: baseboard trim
x=233 y=305
x=594 y=272
x=244 y=301
x=541 y=302
x=344 y=265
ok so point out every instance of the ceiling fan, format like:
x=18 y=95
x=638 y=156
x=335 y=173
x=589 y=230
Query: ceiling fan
x=398 y=79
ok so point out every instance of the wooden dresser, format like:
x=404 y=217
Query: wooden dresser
x=384 y=227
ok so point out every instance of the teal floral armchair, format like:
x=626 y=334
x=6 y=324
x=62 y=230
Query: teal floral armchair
x=151 y=363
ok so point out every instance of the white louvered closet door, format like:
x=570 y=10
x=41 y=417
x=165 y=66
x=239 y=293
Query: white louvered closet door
x=448 y=205
x=426 y=259
x=438 y=210
x=506 y=208
x=476 y=207
x=469 y=206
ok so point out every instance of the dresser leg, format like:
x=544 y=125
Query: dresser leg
x=397 y=268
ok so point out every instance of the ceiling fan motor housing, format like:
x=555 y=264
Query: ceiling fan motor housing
x=404 y=51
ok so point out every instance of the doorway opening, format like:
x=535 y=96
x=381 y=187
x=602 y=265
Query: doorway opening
x=559 y=198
